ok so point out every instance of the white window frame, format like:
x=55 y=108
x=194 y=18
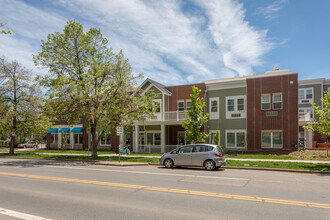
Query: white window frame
x=188 y=100
x=179 y=101
x=270 y=104
x=236 y=131
x=79 y=134
x=271 y=139
x=310 y=100
x=214 y=115
x=214 y=132
x=305 y=110
x=275 y=94
x=153 y=137
x=236 y=111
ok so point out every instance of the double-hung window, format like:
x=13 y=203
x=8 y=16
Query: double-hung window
x=305 y=95
x=235 y=107
x=214 y=108
x=180 y=106
x=235 y=138
x=188 y=105
x=277 y=101
x=265 y=102
x=271 y=139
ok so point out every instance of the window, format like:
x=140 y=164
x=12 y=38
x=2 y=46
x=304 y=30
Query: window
x=214 y=108
x=305 y=95
x=54 y=138
x=153 y=138
x=303 y=114
x=265 y=102
x=240 y=104
x=106 y=139
x=277 y=101
x=271 y=139
x=186 y=149
x=235 y=107
x=181 y=138
x=157 y=106
x=180 y=106
x=235 y=138
x=188 y=105
x=231 y=105
x=78 y=138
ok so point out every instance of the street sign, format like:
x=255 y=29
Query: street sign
x=88 y=131
x=120 y=131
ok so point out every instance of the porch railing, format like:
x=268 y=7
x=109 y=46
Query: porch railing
x=168 y=116
x=305 y=116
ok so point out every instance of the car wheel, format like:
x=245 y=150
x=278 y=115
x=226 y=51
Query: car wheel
x=168 y=163
x=209 y=165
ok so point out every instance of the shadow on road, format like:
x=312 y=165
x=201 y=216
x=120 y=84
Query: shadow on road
x=40 y=163
x=192 y=168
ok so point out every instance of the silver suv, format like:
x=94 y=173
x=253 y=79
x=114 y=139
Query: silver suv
x=205 y=155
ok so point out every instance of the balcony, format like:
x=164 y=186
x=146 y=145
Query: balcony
x=168 y=116
x=305 y=117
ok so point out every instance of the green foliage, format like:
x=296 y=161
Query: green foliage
x=63 y=141
x=217 y=138
x=87 y=80
x=20 y=104
x=2 y=31
x=321 y=122
x=195 y=118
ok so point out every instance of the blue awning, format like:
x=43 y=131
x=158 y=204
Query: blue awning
x=53 y=130
x=65 y=130
x=77 y=130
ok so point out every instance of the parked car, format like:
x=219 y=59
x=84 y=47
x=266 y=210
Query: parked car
x=33 y=144
x=204 y=155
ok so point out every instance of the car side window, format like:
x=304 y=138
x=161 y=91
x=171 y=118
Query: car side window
x=200 y=148
x=186 y=149
x=208 y=148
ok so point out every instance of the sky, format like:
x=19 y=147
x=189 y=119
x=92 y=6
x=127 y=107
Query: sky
x=178 y=42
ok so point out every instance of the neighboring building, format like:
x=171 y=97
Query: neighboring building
x=164 y=132
x=254 y=113
x=310 y=91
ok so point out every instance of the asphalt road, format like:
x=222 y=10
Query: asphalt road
x=34 y=189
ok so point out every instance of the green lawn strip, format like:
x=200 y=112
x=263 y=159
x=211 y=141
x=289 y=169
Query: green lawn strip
x=75 y=157
x=279 y=165
x=260 y=156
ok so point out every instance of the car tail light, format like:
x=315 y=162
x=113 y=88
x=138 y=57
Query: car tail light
x=217 y=154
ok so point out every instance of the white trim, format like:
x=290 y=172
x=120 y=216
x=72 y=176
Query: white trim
x=273 y=95
x=236 y=111
x=305 y=99
x=270 y=102
x=214 y=115
x=187 y=100
x=177 y=105
x=271 y=138
x=236 y=131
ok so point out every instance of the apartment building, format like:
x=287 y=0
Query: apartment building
x=310 y=91
x=254 y=113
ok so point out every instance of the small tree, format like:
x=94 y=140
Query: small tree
x=195 y=118
x=216 y=138
x=321 y=123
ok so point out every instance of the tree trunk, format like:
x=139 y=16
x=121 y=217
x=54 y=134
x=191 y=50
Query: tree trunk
x=94 y=142
x=12 y=139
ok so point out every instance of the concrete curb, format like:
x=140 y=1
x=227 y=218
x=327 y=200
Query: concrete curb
x=114 y=163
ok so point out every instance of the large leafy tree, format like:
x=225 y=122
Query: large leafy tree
x=322 y=122
x=87 y=79
x=21 y=102
x=195 y=118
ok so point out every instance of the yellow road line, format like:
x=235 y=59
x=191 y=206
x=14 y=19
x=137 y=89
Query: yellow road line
x=189 y=192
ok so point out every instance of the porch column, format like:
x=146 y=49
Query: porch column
x=71 y=139
x=59 y=140
x=136 y=138
x=163 y=108
x=162 y=138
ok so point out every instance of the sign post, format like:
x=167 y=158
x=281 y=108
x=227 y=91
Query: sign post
x=120 y=133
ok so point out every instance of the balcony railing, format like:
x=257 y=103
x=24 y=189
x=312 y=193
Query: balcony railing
x=305 y=117
x=168 y=116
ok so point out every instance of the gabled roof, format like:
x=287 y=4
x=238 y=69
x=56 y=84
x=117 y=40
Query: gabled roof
x=159 y=86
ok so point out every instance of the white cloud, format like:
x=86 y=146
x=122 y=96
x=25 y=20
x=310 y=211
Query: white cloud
x=271 y=11
x=160 y=38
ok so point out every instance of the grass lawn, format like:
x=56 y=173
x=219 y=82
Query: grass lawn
x=259 y=164
x=260 y=156
x=280 y=165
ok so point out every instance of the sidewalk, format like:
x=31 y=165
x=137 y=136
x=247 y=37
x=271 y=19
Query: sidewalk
x=237 y=159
